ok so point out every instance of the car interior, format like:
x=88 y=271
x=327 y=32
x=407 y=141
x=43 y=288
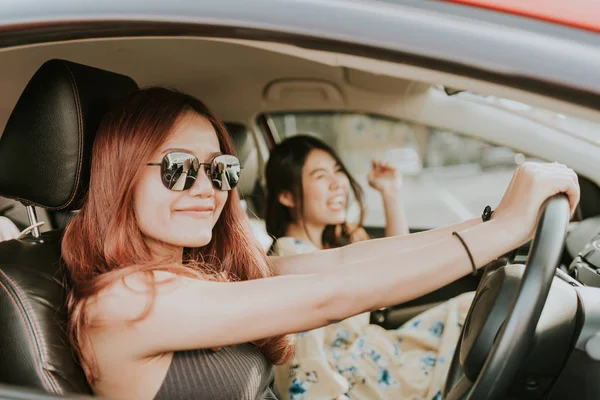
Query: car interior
x=55 y=95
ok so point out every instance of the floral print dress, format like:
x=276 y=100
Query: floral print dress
x=358 y=360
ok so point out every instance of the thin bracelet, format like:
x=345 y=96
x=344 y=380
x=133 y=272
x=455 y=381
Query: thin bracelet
x=468 y=252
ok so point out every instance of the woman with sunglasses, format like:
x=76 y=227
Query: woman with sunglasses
x=172 y=297
x=308 y=188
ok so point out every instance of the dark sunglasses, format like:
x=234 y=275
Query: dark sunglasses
x=179 y=170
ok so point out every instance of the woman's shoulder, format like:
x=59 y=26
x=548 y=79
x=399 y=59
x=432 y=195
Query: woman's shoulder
x=126 y=298
x=358 y=234
x=287 y=246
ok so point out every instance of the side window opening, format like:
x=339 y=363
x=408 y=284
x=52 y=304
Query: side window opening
x=447 y=177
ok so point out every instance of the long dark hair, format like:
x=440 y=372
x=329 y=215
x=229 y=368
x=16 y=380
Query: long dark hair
x=103 y=243
x=284 y=174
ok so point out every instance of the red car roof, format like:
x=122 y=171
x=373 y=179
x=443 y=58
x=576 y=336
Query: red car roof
x=583 y=14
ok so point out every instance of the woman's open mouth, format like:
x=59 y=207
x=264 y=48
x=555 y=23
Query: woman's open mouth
x=337 y=203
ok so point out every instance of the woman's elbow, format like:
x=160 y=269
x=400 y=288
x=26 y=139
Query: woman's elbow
x=337 y=303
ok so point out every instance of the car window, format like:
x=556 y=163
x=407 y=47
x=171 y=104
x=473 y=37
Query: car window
x=447 y=177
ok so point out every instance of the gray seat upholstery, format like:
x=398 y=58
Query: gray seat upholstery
x=249 y=186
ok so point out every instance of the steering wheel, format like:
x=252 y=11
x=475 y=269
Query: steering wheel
x=500 y=325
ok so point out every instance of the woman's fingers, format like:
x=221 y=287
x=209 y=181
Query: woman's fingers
x=383 y=167
x=564 y=180
x=531 y=185
x=571 y=188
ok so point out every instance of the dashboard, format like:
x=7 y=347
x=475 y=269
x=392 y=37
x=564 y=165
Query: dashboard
x=582 y=251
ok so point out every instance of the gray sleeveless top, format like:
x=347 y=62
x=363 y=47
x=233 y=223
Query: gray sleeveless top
x=238 y=372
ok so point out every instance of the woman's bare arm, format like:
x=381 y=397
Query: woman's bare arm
x=396 y=223
x=191 y=314
x=363 y=251
x=386 y=179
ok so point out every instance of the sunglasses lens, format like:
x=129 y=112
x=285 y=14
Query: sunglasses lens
x=225 y=172
x=179 y=171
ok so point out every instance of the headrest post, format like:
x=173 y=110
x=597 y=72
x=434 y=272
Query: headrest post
x=35 y=232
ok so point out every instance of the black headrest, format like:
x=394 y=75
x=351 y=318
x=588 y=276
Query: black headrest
x=44 y=161
x=46 y=145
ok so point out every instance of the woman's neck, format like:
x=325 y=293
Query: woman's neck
x=306 y=233
x=164 y=251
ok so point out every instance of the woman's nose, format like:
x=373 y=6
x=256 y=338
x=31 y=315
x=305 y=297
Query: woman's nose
x=203 y=186
x=338 y=181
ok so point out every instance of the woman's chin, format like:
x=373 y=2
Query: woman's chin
x=336 y=218
x=195 y=240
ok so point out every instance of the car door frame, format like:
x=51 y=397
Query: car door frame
x=507 y=50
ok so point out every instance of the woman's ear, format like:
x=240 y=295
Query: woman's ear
x=287 y=199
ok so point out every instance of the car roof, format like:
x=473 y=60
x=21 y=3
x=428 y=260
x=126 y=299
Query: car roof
x=581 y=14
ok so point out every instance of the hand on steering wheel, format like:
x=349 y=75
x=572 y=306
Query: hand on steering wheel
x=491 y=350
x=531 y=185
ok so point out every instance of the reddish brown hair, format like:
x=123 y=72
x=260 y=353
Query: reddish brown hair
x=103 y=243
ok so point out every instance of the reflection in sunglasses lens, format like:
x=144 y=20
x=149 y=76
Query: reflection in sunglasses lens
x=179 y=171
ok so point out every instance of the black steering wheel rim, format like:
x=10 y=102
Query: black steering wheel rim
x=514 y=337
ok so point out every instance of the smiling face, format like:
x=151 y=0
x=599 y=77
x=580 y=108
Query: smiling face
x=181 y=218
x=325 y=187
